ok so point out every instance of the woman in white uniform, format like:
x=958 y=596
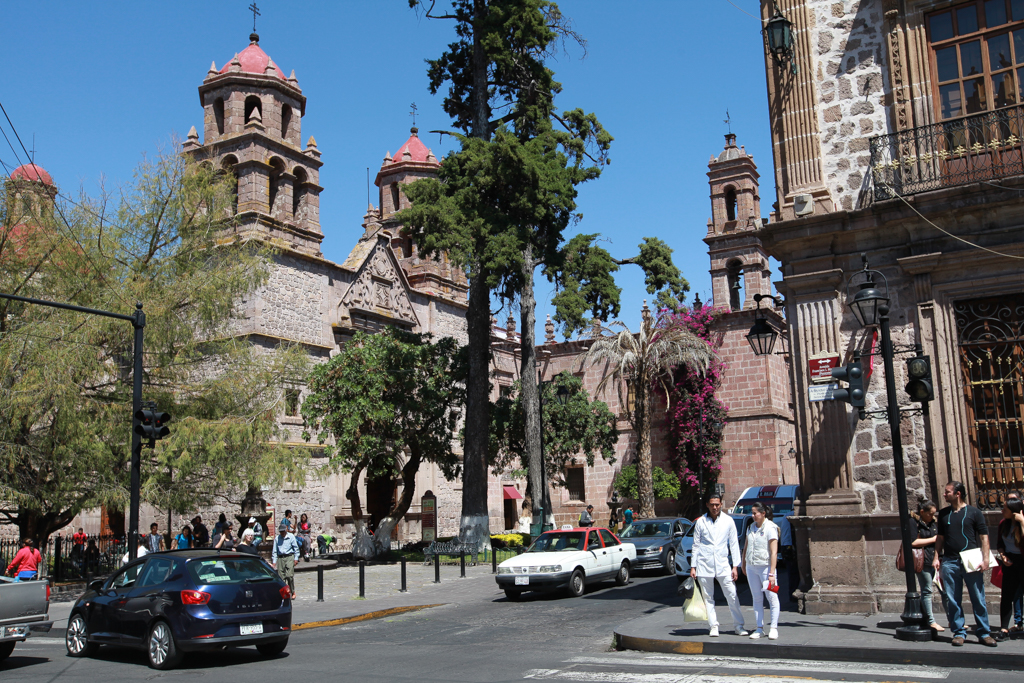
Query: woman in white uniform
x=759 y=560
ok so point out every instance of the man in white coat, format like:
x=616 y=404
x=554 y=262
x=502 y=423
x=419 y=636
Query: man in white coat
x=714 y=539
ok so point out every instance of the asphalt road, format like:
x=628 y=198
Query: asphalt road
x=479 y=636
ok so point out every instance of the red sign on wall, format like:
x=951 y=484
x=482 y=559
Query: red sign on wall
x=820 y=368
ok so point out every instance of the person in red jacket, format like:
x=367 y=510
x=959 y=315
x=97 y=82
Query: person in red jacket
x=25 y=564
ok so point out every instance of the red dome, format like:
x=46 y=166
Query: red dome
x=416 y=149
x=32 y=172
x=254 y=61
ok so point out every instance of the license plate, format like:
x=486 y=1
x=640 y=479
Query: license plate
x=250 y=629
x=522 y=580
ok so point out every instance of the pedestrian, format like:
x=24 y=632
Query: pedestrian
x=304 y=532
x=154 y=539
x=78 y=547
x=324 y=540
x=247 y=543
x=141 y=551
x=25 y=565
x=91 y=558
x=587 y=517
x=221 y=521
x=285 y=555
x=223 y=540
x=288 y=520
x=525 y=519
x=184 y=540
x=627 y=517
x=200 y=534
x=927 y=533
x=257 y=531
x=714 y=540
x=962 y=528
x=1009 y=544
x=759 y=564
x=613 y=520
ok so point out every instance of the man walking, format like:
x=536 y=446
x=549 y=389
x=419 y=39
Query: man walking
x=962 y=528
x=714 y=540
x=587 y=517
x=154 y=540
x=285 y=555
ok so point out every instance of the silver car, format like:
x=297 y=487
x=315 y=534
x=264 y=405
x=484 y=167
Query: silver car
x=660 y=541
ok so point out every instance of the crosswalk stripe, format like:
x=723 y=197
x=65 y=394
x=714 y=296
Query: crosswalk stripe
x=754 y=663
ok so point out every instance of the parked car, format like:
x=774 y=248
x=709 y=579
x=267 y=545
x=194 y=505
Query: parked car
x=782 y=500
x=23 y=610
x=659 y=540
x=178 y=601
x=569 y=558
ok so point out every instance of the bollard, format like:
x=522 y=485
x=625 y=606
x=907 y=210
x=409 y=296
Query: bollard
x=462 y=564
x=437 y=569
x=403 y=589
x=320 y=583
x=362 y=578
x=494 y=561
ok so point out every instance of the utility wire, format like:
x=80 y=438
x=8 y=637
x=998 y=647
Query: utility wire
x=742 y=10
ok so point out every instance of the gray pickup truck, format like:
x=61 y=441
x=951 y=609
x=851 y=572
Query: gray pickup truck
x=24 y=607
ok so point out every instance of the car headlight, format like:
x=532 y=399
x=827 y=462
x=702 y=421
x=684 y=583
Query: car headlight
x=504 y=570
x=550 y=568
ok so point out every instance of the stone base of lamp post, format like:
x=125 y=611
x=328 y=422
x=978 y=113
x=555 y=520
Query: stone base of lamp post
x=914 y=629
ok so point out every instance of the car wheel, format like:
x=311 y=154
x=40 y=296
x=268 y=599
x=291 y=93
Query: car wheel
x=272 y=649
x=576 y=584
x=6 y=649
x=622 y=577
x=77 y=638
x=513 y=595
x=161 y=648
x=670 y=562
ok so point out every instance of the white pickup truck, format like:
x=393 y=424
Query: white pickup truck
x=24 y=607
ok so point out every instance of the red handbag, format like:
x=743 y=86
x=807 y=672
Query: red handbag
x=997 y=576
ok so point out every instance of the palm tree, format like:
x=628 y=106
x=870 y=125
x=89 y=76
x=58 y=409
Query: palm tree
x=642 y=361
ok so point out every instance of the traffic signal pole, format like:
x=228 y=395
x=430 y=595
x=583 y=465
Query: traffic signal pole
x=138 y=321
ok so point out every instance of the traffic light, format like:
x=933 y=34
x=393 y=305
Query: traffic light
x=152 y=424
x=920 y=386
x=852 y=374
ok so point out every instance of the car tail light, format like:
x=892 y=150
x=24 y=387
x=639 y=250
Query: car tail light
x=47 y=592
x=190 y=597
x=285 y=593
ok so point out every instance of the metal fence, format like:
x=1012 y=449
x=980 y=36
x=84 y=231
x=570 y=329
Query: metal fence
x=70 y=561
x=958 y=152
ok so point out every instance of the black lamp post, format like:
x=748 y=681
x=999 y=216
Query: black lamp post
x=871 y=307
x=778 y=38
x=762 y=335
x=561 y=397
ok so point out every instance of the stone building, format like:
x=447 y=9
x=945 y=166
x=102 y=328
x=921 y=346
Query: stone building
x=896 y=130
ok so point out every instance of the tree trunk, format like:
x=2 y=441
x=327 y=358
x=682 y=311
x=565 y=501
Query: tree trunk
x=644 y=468
x=362 y=543
x=530 y=392
x=387 y=524
x=474 y=526
x=481 y=113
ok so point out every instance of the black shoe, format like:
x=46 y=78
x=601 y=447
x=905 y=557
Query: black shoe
x=1001 y=636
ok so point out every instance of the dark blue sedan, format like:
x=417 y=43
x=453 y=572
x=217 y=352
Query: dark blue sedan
x=181 y=601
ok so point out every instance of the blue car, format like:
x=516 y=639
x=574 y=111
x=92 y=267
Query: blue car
x=181 y=601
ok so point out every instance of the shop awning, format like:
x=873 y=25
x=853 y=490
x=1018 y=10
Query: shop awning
x=511 y=493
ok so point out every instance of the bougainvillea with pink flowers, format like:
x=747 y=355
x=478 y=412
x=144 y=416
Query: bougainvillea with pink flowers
x=696 y=417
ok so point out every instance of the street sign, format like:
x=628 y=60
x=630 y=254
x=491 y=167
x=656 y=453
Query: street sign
x=822 y=392
x=820 y=367
x=428 y=516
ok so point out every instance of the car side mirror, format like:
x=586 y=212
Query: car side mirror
x=677 y=534
x=594 y=546
x=96 y=585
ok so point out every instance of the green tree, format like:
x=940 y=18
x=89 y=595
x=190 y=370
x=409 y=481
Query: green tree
x=579 y=429
x=645 y=361
x=66 y=396
x=665 y=484
x=388 y=402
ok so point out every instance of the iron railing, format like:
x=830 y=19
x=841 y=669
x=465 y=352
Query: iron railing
x=98 y=556
x=958 y=152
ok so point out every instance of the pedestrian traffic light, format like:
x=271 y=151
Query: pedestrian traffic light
x=920 y=386
x=152 y=424
x=853 y=375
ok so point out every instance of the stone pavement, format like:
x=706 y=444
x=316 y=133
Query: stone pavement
x=833 y=637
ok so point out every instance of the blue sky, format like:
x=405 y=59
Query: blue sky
x=101 y=84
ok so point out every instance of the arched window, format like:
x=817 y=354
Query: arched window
x=286 y=120
x=299 y=192
x=227 y=165
x=735 y=280
x=253 y=102
x=276 y=169
x=730 y=204
x=395 y=197
x=218 y=114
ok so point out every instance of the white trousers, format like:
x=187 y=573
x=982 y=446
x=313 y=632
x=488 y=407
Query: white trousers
x=756 y=576
x=707 y=584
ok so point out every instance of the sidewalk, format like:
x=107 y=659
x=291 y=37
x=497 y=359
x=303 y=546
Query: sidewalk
x=833 y=637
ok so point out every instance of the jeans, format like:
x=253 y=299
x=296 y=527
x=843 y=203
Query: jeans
x=953 y=579
x=926 y=580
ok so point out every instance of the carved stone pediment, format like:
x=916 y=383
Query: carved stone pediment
x=379 y=288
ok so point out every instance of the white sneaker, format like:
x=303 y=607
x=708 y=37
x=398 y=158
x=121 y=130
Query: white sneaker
x=773 y=634
x=714 y=632
x=757 y=634
x=742 y=632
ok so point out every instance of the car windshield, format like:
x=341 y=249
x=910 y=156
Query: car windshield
x=779 y=506
x=647 y=530
x=217 y=570
x=557 y=540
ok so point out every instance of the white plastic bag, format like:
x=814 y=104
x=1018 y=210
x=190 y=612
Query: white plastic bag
x=695 y=609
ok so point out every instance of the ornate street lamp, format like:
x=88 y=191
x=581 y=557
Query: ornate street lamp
x=778 y=38
x=868 y=302
x=762 y=335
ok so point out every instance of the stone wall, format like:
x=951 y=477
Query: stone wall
x=292 y=305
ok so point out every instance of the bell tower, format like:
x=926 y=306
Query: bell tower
x=252 y=128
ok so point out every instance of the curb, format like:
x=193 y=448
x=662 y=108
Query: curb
x=956 y=659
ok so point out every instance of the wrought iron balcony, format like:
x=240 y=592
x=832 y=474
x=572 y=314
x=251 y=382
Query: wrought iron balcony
x=957 y=152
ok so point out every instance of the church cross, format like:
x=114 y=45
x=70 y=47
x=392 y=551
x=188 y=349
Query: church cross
x=728 y=120
x=412 y=113
x=255 y=13
x=33 y=150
